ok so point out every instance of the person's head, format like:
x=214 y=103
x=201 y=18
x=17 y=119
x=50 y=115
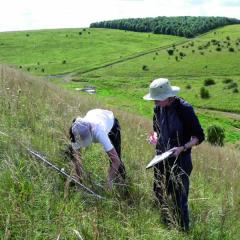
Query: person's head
x=161 y=92
x=80 y=133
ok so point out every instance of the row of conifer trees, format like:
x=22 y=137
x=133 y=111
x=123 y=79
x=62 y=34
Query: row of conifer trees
x=180 y=26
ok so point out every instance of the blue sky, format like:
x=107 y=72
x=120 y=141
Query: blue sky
x=45 y=14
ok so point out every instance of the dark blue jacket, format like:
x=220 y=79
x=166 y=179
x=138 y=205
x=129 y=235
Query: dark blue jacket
x=175 y=125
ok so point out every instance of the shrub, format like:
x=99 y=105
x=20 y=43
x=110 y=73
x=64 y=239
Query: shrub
x=191 y=44
x=170 y=52
x=182 y=54
x=228 y=38
x=176 y=58
x=80 y=33
x=188 y=86
x=43 y=70
x=64 y=62
x=231 y=49
x=227 y=80
x=218 y=49
x=232 y=85
x=235 y=90
x=145 y=68
x=208 y=82
x=193 y=51
x=214 y=41
x=215 y=135
x=204 y=93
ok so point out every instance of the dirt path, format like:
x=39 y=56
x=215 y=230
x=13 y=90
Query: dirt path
x=235 y=116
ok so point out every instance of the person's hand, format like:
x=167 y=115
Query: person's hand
x=152 y=138
x=176 y=151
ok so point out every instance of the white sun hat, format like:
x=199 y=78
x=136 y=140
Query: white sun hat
x=160 y=89
x=82 y=133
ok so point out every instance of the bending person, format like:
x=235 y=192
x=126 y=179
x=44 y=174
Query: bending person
x=98 y=126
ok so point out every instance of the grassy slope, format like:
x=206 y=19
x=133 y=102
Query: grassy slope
x=47 y=49
x=190 y=70
x=36 y=204
x=127 y=81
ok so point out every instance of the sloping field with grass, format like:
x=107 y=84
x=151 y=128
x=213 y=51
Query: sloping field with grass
x=37 y=203
x=62 y=51
x=214 y=56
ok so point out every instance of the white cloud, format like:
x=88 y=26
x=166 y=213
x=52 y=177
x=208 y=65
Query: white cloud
x=36 y=14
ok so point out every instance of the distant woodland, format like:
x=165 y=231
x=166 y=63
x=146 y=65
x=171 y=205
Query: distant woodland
x=180 y=26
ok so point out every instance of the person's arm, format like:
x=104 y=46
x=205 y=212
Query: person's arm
x=77 y=161
x=177 y=150
x=114 y=166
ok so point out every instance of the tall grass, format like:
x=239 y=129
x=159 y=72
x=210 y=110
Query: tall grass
x=37 y=203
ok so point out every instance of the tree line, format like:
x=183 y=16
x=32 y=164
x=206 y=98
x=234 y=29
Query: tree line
x=180 y=26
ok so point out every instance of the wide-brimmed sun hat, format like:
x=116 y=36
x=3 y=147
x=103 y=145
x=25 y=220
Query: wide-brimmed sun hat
x=82 y=133
x=161 y=89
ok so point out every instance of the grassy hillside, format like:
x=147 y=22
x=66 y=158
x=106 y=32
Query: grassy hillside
x=36 y=203
x=59 y=51
x=123 y=84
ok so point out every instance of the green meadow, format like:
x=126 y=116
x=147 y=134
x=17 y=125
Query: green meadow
x=122 y=64
x=188 y=72
x=50 y=52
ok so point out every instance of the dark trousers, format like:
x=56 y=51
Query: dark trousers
x=115 y=138
x=172 y=180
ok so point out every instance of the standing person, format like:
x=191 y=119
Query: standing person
x=176 y=127
x=98 y=126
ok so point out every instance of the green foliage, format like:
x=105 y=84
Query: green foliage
x=209 y=81
x=170 y=52
x=204 y=93
x=180 y=26
x=145 y=68
x=232 y=85
x=227 y=80
x=216 y=135
x=235 y=90
x=182 y=54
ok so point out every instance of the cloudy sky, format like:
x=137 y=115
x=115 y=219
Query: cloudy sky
x=43 y=14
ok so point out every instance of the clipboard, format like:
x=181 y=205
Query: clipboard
x=159 y=158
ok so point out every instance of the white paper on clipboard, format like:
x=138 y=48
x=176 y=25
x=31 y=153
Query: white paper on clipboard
x=159 y=158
